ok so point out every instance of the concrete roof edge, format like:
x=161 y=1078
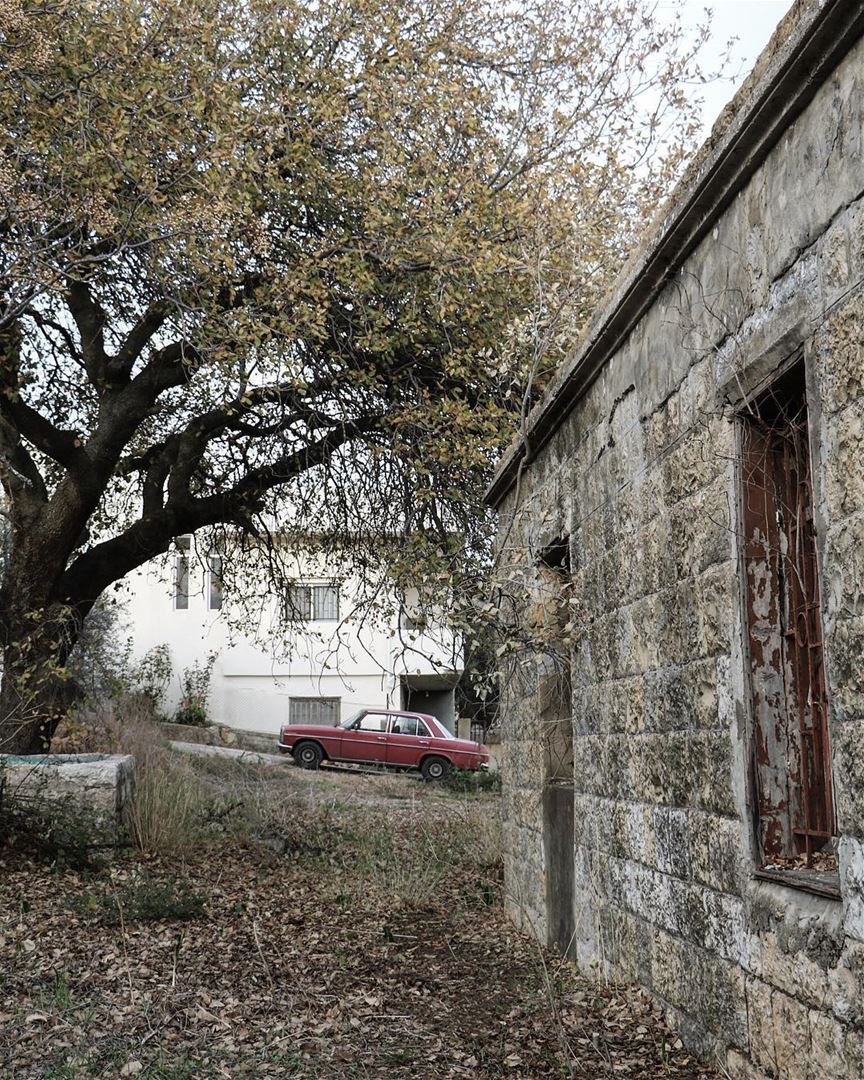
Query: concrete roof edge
x=807 y=45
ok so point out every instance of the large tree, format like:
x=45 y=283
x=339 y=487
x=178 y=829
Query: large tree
x=275 y=260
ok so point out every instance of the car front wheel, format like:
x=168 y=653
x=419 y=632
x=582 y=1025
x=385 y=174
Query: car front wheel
x=308 y=755
x=435 y=768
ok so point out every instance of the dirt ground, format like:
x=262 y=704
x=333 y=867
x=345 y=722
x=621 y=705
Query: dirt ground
x=324 y=925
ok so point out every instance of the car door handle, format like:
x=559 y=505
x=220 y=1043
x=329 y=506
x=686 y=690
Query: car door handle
x=381 y=738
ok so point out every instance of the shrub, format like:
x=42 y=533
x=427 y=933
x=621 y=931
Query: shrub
x=152 y=674
x=195 y=690
x=463 y=780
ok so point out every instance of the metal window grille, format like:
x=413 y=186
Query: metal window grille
x=792 y=764
x=299 y=602
x=181 y=582
x=214 y=587
x=314 y=710
x=325 y=602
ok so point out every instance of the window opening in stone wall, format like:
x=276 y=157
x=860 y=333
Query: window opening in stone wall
x=555 y=708
x=555 y=690
x=792 y=760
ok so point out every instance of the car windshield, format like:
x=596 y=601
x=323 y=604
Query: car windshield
x=352 y=719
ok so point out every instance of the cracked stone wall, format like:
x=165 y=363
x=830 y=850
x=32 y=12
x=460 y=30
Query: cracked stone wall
x=642 y=478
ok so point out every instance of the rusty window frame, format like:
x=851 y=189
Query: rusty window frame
x=791 y=758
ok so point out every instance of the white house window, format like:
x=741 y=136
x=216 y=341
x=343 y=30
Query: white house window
x=313 y=602
x=325 y=602
x=214 y=583
x=181 y=573
x=413 y=620
x=322 y=710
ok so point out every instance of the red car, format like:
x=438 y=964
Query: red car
x=406 y=740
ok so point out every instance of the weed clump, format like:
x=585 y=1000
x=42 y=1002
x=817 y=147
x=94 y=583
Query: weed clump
x=467 y=782
x=143 y=898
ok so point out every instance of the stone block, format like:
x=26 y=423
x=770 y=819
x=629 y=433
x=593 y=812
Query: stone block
x=842 y=454
x=835 y=261
x=761 y=1024
x=847 y=745
x=844 y=573
x=710 y=777
x=827 y=1048
x=840 y=350
x=671 y=841
x=739 y=1067
x=845 y=647
x=101 y=781
x=700 y=681
x=717 y=851
x=716 y=600
x=851 y=859
x=791 y=1036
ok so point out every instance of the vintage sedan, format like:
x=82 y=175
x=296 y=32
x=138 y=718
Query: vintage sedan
x=405 y=740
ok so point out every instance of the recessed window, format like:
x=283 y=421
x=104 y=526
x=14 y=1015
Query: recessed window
x=791 y=749
x=180 y=584
x=214 y=583
x=321 y=710
x=313 y=602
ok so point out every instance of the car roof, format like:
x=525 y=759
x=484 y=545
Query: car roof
x=403 y=712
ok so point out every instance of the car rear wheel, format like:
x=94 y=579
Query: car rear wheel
x=435 y=768
x=308 y=755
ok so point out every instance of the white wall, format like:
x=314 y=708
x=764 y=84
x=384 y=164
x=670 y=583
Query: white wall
x=352 y=659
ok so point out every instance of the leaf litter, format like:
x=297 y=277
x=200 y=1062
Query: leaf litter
x=378 y=949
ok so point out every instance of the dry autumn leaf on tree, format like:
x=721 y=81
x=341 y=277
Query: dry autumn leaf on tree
x=305 y=264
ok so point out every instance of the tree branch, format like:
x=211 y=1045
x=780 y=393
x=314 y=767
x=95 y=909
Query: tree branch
x=90 y=321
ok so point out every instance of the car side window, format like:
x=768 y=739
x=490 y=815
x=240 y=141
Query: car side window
x=409 y=725
x=371 y=722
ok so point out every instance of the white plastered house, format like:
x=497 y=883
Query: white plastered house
x=327 y=662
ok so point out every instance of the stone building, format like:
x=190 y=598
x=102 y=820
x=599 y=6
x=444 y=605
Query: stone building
x=682 y=536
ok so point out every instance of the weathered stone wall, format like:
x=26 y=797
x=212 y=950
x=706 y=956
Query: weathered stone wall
x=642 y=478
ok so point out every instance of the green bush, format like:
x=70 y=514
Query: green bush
x=465 y=781
x=196 y=688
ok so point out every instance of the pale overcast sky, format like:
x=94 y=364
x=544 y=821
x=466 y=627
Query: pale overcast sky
x=751 y=21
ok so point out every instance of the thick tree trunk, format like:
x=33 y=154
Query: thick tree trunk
x=36 y=691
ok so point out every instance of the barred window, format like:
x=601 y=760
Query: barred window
x=325 y=602
x=180 y=588
x=314 y=710
x=791 y=748
x=318 y=602
x=214 y=583
x=300 y=602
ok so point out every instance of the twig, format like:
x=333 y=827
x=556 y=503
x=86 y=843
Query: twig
x=261 y=953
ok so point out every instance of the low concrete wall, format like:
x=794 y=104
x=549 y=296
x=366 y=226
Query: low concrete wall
x=220 y=735
x=96 y=786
